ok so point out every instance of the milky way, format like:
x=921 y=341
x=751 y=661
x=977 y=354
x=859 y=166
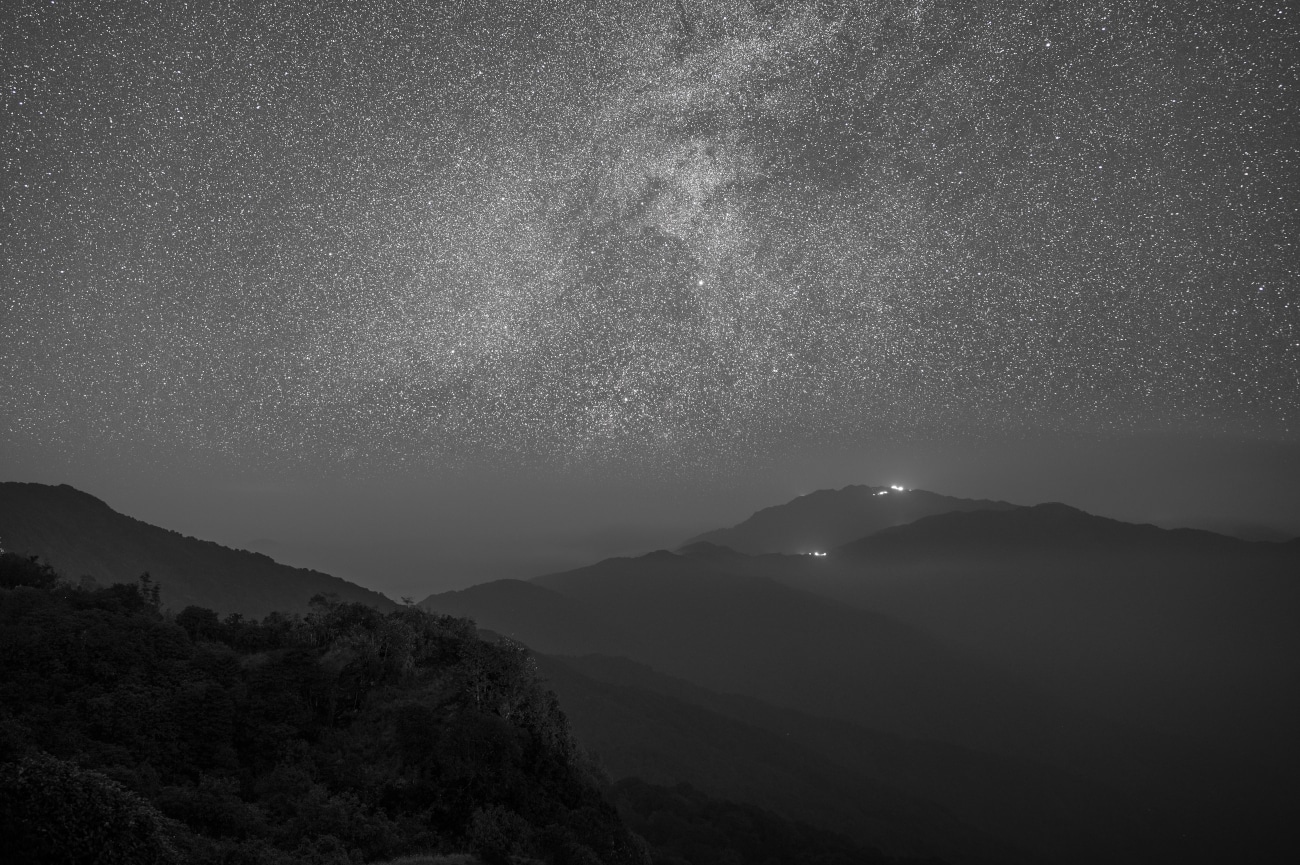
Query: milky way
x=676 y=236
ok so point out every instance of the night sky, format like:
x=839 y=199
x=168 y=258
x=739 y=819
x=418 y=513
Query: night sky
x=590 y=265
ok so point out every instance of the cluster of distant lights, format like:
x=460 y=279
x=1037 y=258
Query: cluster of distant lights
x=894 y=487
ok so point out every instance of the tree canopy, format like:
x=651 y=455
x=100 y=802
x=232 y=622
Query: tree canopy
x=345 y=735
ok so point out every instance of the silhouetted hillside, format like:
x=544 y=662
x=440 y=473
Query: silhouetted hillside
x=344 y=736
x=348 y=735
x=715 y=622
x=1055 y=527
x=734 y=632
x=80 y=535
x=825 y=519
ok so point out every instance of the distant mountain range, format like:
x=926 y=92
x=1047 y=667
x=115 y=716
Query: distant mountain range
x=1146 y=671
x=986 y=683
x=725 y=631
x=735 y=632
x=826 y=519
x=1185 y=631
x=79 y=535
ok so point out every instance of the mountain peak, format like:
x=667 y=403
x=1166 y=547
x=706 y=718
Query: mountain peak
x=1047 y=526
x=828 y=518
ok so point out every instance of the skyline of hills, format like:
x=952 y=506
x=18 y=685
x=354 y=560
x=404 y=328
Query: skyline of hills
x=998 y=664
x=31 y=520
x=739 y=634
x=825 y=519
x=1181 y=630
x=77 y=534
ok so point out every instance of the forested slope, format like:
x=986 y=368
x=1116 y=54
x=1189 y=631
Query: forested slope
x=346 y=735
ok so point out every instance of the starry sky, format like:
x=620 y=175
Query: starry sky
x=650 y=244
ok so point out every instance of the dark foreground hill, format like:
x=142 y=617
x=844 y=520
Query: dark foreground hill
x=77 y=534
x=133 y=737
x=348 y=735
x=826 y=519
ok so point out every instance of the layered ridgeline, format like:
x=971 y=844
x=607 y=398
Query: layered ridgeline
x=133 y=737
x=1004 y=761
x=826 y=519
x=1183 y=631
x=133 y=733
x=1006 y=646
x=1000 y=684
x=79 y=535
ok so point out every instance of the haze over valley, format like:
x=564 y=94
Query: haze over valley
x=968 y=679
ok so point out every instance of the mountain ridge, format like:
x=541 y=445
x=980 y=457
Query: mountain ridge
x=79 y=534
x=828 y=518
x=1183 y=630
x=736 y=634
x=1051 y=523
